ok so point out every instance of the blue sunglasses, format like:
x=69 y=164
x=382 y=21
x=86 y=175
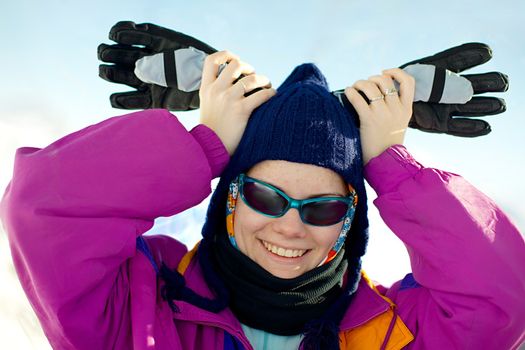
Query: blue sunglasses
x=272 y=202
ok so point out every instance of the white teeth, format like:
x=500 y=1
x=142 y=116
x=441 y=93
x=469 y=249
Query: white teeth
x=289 y=253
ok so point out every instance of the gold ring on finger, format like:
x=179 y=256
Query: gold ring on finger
x=377 y=98
x=392 y=91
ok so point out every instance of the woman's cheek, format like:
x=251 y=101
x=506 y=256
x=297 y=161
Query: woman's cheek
x=327 y=236
x=245 y=225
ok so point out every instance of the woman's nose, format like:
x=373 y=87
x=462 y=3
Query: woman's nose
x=290 y=224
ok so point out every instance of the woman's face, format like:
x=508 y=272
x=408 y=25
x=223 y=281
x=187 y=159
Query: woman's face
x=257 y=235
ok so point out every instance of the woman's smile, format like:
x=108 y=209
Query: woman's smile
x=283 y=252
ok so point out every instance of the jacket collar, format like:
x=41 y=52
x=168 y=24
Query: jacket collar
x=366 y=304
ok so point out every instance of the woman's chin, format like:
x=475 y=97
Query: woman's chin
x=286 y=274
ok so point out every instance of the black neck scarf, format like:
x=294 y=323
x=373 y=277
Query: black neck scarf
x=276 y=305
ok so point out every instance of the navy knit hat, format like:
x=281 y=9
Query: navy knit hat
x=302 y=123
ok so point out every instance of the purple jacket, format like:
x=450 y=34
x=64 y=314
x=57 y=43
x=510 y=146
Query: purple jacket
x=73 y=212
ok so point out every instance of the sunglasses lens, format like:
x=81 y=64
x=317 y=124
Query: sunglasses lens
x=324 y=213
x=263 y=199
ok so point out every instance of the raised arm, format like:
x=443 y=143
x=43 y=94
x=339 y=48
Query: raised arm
x=468 y=260
x=73 y=211
x=467 y=286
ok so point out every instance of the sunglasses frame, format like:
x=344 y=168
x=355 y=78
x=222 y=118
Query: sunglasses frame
x=295 y=203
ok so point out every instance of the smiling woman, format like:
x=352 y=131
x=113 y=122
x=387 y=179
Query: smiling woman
x=280 y=268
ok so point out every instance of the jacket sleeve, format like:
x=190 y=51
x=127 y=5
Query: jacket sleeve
x=467 y=287
x=74 y=209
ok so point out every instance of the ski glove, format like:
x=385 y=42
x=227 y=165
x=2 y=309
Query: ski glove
x=441 y=109
x=135 y=41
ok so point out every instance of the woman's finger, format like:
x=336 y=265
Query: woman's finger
x=251 y=82
x=386 y=85
x=233 y=71
x=357 y=101
x=371 y=90
x=212 y=63
x=256 y=99
x=407 y=85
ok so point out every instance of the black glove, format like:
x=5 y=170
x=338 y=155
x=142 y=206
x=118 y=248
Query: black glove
x=152 y=39
x=440 y=118
x=432 y=116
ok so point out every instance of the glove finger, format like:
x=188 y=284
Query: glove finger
x=435 y=118
x=125 y=55
x=458 y=58
x=488 y=82
x=465 y=127
x=120 y=75
x=154 y=37
x=131 y=100
x=479 y=107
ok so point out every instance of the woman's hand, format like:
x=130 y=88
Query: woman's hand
x=223 y=106
x=385 y=120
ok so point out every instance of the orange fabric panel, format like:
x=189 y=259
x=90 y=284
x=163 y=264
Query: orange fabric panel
x=186 y=259
x=371 y=334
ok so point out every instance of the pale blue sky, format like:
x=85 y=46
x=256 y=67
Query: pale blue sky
x=51 y=85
